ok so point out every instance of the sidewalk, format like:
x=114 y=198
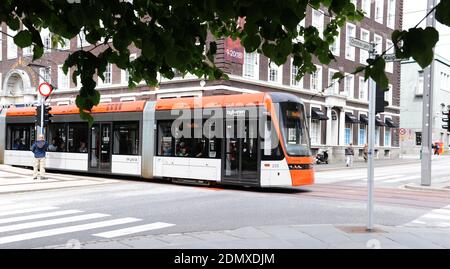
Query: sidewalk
x=321 y=236
x=362 y=164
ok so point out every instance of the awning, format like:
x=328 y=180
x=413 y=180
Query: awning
x=350 y=118
x=363 y=119
x=379 y=122
x=390 y=123
x=317 y=114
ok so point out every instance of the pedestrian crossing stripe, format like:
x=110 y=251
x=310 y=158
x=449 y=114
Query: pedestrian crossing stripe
x=27 y=210
x=435 y=218
x=134 y=230
x=39 y=216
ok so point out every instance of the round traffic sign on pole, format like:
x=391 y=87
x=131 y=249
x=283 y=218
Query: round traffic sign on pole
x=45 y=89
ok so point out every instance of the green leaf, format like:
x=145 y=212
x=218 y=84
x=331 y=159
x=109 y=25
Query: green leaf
x=23 y=39
x=38 y=51
x=443 y=12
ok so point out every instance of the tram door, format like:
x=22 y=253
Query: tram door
x=100 y=147
x=241 y=151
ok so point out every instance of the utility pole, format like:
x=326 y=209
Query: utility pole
x=427 y=110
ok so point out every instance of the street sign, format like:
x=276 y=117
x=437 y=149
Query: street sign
x=390 y=57
x=361 y=44
x=45 y=89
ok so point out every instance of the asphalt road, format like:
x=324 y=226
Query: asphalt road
x=132 y=207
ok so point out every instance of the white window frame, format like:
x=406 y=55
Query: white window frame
x=379 y=7
x=349 y=50
x=46 y=39
x=365 y=127
x=388 y=94
x=318 y=24
x=128 y=99
x=362 y=83
x=335 y=48
x=62 y=77
x=366 y=6
x=254 y=65
x=334 y=89
x=44 y=76
x=319 y=130
x=11 y=47
x=385 y=131
x=300 y=38
x=279 y=73
x=66 y=44
x=124 y=74
x=351 y=130
x=390 y=20
x=389 y=67
x=318 y=72
x=294 y=82
x=364 y=54
x=378 y=40
x=349 y=90
x=105 y=74
x=81 y=39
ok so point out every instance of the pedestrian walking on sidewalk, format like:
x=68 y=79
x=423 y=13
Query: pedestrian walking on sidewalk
x=349 y=153
x=39 y=148
x=365 y=152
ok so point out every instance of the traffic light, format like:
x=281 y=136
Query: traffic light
x=380 y=103
x=447 y=120
x=37 y=119
x=47 y=115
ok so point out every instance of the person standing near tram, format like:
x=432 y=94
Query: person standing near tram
x=39 y=148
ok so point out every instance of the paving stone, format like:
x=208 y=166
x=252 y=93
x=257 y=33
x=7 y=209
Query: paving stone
x=411 y=241
x=145 y=243
x=247 y=233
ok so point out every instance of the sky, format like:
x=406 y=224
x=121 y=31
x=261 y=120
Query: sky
x=413 y=12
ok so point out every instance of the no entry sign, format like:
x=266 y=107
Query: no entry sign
x=45 y=89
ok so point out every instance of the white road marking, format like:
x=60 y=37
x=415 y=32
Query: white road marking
x=401 y=179
x=435 y=218
x=39 y=216
x=65 y=230
x=135 y=229
x=27 y=210
x=28 y=225
x=13 y=206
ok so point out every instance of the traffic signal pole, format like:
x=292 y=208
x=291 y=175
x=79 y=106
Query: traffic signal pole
x=371 y=146
x=427 y=112
x=42 y=115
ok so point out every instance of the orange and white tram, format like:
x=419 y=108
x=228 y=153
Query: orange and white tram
x=256 y=139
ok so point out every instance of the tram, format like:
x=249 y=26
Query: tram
x=258 y=139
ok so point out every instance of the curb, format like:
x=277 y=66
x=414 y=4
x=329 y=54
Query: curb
x=358 y=167
x=424 y=188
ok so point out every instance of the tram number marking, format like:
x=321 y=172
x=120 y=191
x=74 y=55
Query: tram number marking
x=275 y=165
x=131 y=159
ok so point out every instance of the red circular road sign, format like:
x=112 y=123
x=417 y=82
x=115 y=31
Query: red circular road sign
x=45 y=89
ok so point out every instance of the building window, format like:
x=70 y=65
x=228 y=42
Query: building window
x=64 y=44
x=46 y=40
x=299 y=37
x=11 y=52
x=418 y=138
x=335 y=47
x=251 y=65
x=419 y=85
x=63 y=79
x=45 y=74
x=350 y=50
x=334 y=84
x=107 y=75
x=348 y=133
x=275 y=73
x=126 y=138
x=388 y=95
x=317 y=21
x=315 y=131
x=378 y=40
x=81 y=38
x=389 y=50
x=362 y=134
x=1 y=46
x=364 y=54
x=379 y=11
x=377 y=135
x=316 y=79
x=390 y=22
x=365 y=6
x=387 y=136
x=125 y=73
x=363 y=89
x=349 y=84
x=294 y=72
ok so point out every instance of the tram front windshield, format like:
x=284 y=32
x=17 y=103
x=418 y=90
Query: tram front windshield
x=293 y=128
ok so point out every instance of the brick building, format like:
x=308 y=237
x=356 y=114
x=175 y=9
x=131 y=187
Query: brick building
x=337 y=115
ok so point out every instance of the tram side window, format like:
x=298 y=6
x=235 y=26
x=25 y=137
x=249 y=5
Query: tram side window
x=165 y=139
x=271 y=147
x=20 y=137
x=126 y=138
x=57 y=137
x=77 y=138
